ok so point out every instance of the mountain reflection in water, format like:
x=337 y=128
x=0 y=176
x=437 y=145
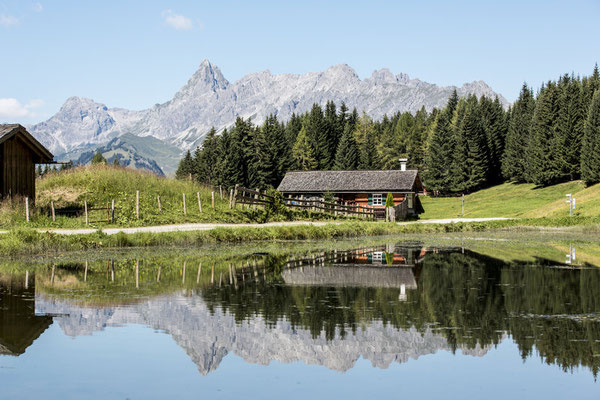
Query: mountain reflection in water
x=385 y=304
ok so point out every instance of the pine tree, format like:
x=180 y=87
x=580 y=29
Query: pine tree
x=415 y=145
x=543 y=163
x=494 y=124
x=317 y=136
x=590 y=85
x=569 y=128
x=303 y=153
x=477 y=150
x=518 y=137
x=261 y=161
x=331 y=130
x=116 y=161
x=206 y=163
x=459 y=164
x=347 y=155
x=186 y=166
x=440 y=149
x=342 y=120
x=590 y=155
x=278 y=151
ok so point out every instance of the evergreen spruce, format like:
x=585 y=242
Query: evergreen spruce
x=494 y=124
x=206 y=161
x=590 y=155
x=347 y=155
x=415 y=145
x=317 y=136
x=440 y=150
x=332 y=132
x=514 y=159
x=543 y=167
x=477 y=146
x=569 y=128
x=459 y=164
x=185 y=168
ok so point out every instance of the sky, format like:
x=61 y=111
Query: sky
x=134 y=54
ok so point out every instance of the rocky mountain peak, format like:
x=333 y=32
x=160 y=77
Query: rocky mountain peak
x=383 y=76
x=342 y=72
x=208 y=77
x=209 y=100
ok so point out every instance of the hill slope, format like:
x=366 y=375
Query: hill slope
x=517 y=200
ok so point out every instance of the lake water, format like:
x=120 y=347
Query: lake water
x=360 y=319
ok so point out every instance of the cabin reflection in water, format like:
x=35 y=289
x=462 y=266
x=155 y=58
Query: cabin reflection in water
x=377 y=267
x=19 y=326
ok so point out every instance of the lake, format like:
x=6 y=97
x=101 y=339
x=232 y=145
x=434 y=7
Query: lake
x=421 y=317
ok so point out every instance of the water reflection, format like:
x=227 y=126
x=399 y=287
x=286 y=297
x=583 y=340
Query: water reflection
x=386 y=304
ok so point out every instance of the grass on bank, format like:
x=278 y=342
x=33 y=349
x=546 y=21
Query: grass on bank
x=517 y=201
x=29 y=241
x=99 y=185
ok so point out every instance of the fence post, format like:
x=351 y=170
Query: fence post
x=199 y=202
x=86 y=212
x=137 y=204
x=112 y=211
x=255 y=198
x=53 y=211
x=159 y=204
x=213 y=199
x=27 y=208
x=235 y=192
x=230 y=198
x=184 y=206
x=221 y=191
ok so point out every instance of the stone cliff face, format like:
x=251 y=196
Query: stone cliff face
x=207 y=338
x=208 y=99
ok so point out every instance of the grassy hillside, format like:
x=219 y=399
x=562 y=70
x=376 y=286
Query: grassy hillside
x=517 y=200
x=100 y=184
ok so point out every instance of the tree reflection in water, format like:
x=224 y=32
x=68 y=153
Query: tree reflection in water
x=470 y=300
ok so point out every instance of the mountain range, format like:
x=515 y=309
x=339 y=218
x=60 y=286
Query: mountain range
x=209 y=335
x=209 y=100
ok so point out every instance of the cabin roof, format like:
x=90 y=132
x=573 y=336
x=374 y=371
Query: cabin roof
x=350 y=181
x=8 y=131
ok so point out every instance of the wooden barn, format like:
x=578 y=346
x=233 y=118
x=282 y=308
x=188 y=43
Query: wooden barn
x=358 y=187
x=19 y=152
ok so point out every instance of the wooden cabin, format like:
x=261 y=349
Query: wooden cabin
x=364 y=188
x=19 y=152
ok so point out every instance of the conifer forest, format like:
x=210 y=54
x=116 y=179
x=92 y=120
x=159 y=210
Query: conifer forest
x=544 y=138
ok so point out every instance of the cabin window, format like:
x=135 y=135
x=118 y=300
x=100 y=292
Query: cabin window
x=377 y=256
x=377 y=199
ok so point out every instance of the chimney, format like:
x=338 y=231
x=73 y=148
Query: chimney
x=403 y=162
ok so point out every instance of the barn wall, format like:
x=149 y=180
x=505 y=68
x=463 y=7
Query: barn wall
x=362 y=199
x=17 y=169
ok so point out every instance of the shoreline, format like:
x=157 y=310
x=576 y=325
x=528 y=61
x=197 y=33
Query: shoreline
x=21 y=241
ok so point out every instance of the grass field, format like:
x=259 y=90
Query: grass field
x=517 y=200
x=99 y=185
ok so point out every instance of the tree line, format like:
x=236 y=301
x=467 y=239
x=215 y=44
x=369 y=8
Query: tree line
x=470 y=144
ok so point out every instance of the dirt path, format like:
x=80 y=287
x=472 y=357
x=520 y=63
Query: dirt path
x=206 y=227
x=451 y=220
x=176 y=228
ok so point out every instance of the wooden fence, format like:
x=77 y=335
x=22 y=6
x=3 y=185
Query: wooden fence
x=254 y=198
x=95 y=213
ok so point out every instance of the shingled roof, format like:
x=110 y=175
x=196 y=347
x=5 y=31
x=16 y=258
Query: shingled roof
x=350 y=181
x=7 y=131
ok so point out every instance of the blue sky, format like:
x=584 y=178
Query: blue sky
x=134 y=54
